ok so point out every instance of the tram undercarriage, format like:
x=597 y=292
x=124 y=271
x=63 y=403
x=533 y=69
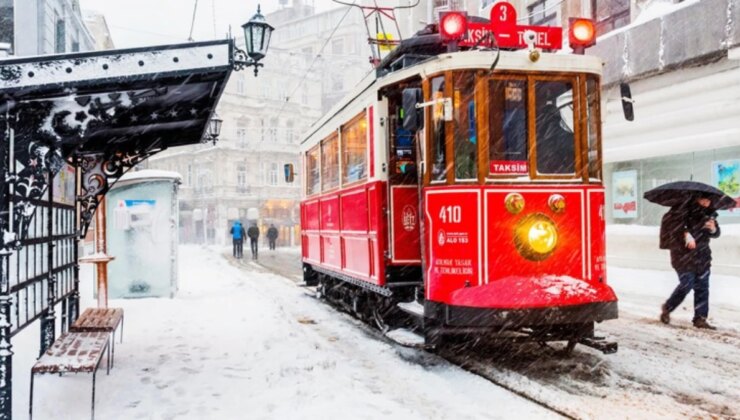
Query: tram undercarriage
x=403 y=307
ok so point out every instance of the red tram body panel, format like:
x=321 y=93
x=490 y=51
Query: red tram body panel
x=344 y=231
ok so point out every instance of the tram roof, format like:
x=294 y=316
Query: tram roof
x=514 y=61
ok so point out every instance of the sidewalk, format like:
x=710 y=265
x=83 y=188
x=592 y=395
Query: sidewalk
x=237 y=344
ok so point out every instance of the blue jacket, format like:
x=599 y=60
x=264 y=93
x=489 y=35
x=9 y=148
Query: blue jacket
x=237 y=231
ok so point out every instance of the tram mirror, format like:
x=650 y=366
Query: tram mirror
x=413 y=117
x=289 y=174
x=629 y=112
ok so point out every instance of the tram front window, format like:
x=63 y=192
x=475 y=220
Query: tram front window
x=508 y=126
x=556 y=153
x=466 y=133
x=439 y=132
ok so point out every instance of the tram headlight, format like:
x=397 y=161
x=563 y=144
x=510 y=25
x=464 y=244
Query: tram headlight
x=536 y=237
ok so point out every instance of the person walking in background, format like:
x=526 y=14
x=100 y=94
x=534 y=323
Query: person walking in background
x=254 y=234
x=686 y=230
x=272 y=234
x=237 y=237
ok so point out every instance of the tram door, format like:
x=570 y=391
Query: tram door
x=403 y=184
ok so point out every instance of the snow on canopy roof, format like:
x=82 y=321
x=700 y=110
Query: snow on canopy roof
x=149 y=174
x=117 y=100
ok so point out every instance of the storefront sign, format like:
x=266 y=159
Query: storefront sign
x=726 y=177
x=624 y=194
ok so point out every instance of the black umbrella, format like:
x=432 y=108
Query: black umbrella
x=680 y=192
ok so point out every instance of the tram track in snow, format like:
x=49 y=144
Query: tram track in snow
x=587 y=384
x=416 y=355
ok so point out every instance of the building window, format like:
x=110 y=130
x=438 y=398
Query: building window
x=273 y=130
x=354 y=145
x=610 y=14
x=240 y=88
x=330 y=163
x=337 y=82
x=60 y=35
x=337 y=47
x=272 y=174
x=75 y=41
x=544 y=12
x=289 y=132
x=189 y=176
x=241 y=137
x=241 y=178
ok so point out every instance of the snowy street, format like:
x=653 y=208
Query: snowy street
x=244 y=343
x=659 y=372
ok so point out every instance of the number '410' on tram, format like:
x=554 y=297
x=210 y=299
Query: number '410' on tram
x=461 y=187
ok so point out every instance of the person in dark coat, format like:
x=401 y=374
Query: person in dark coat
x=254 y=234
x=686 y=230
x=272 y=234
x=237 y=237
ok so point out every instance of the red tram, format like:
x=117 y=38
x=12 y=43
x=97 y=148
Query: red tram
x=464 y=188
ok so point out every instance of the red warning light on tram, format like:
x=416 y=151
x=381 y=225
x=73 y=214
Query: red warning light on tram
x=452 y=25
x=581 y=34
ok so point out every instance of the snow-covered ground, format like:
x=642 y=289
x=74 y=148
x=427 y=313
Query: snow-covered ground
x=243 y=343
x=660 y=371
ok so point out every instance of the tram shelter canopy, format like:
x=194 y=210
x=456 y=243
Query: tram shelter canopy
x=102 y=112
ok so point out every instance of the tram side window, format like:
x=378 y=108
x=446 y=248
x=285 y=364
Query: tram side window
x=312 y=171
x=403 y=145
x=594 y=116
x=466 y=133
x=438 y=129
x=354 y=148
x=508 y=152
x=556 y=153
x=330 y=163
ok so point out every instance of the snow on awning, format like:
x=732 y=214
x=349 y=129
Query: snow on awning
x=103 y=112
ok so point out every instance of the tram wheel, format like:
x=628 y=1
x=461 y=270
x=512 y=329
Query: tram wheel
x=379 y=320
x=568 y=350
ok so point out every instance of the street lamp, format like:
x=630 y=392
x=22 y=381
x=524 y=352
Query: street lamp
x=257 y=39
x=214 y=129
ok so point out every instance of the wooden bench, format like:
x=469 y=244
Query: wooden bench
x=101 y=319
x=73 y=352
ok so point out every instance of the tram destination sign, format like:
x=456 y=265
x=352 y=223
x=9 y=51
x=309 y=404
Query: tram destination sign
x=510 y=35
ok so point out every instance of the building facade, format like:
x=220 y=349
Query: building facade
x=241 y=177
x=314 y=60
x=98 y=27
x=49 y=27
x=333 y=42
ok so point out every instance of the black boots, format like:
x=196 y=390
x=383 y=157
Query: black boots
x=665 y=316
x=702 y=323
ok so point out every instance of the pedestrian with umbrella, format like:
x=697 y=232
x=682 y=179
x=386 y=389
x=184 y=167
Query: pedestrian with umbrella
x=686 y=231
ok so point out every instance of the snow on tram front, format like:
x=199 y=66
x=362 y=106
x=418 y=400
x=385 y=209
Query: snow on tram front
x=461 y=187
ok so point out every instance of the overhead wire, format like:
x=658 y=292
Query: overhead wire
x=552 y=6
x=146 y=32
x=316 y=57
x=192 y=24
x=213 y=13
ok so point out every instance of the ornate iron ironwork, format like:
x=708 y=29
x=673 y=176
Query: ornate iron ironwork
x=99 y=174
x=242 y=61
